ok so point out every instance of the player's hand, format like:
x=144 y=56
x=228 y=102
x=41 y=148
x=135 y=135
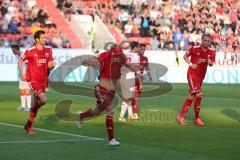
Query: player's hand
x=51 y=65
x=193 y=66
x=23 y=77
x=210 y=62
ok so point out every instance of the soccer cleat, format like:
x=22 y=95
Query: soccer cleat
x=181 y=120
x=79 y=120
x=26 y=109
x=122 y=119
x=29 y=130
x=113 y=142
x=20 y=108
x=199 y=122
x=131 y=118
x=135 y=116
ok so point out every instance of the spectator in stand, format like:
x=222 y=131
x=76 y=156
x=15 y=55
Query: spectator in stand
x=154 y=44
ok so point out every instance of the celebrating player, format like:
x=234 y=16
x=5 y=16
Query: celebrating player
x=128 y=82
x=109 y=64
x=39 y=60
x=139 y=82
x=23 y=85
x=201 y=57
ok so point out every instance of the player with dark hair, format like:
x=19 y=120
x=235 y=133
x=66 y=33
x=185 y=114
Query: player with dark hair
x=39 y=59
x=201 y=57
x=25 y=94
x=139 y=82
x=127 y=82
x=109 y=64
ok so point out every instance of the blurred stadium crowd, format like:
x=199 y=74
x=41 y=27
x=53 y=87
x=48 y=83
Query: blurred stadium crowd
x=161 y=24
x=20 y=19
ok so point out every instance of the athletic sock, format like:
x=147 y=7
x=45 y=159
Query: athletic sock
x=23 y=100
x=197 y=104
x=186 y=106
x=110 y=127
x=123 y=109
x=28 y=100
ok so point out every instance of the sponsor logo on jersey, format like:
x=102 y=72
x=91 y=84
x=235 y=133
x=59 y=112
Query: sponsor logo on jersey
x=202 y=60
x=115 y=59
x=41 y=61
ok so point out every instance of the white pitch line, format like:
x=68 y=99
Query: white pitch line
x=55 y=132
x=45 y=141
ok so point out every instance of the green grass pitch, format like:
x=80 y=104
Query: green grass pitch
x=156 y=136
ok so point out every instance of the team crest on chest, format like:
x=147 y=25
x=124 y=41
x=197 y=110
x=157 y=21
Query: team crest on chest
x=198 y=53
x=47 y=54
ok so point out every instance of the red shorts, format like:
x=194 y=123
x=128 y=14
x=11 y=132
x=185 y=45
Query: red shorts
x=195 y=84
x=37 y=87
x=104 y=97
x=138 y=88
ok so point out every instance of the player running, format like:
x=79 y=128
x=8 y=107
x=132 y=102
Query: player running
x=127 y=82
x=39 y=59
x=25 y=94
x=139 y=82
x=201 y=57
x=110 y=64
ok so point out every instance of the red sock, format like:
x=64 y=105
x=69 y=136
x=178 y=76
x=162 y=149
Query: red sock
x=35 y=107
x=197 y=104
x=110 y=127
x=86 y=114
x=185 y=107
x=31 y=119
x=135 y=105
x=33 y=113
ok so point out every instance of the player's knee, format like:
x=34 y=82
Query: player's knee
x=191 y=96
x=199 y=95
x=43 y=100
x=110 y=113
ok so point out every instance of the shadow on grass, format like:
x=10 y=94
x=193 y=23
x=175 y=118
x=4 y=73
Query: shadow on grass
x=233 y=114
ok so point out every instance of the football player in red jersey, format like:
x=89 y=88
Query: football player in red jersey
x=39 y=59
x=109 y=63
x=139 y=82
x=201 y=57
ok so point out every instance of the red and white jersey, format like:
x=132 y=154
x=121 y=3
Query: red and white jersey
x=111 y=63
x=134 y=59
x=200 y=58
x=37 y=68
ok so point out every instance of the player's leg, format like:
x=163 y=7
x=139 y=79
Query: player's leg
x=197 y=104
x=110 y=126
x=40 y=99
x=22 y=95
x=101 y=104
x=23 y=99
x=124 y=107
x=185 y=108
x=29 y=98
x=130 y=109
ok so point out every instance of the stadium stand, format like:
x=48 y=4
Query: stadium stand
x=20 y=19
x=171 y=25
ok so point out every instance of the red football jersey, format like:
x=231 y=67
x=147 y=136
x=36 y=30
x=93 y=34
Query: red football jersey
x=111 y=63
x=37 y=68
x=143 y=63
x=200 y=58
